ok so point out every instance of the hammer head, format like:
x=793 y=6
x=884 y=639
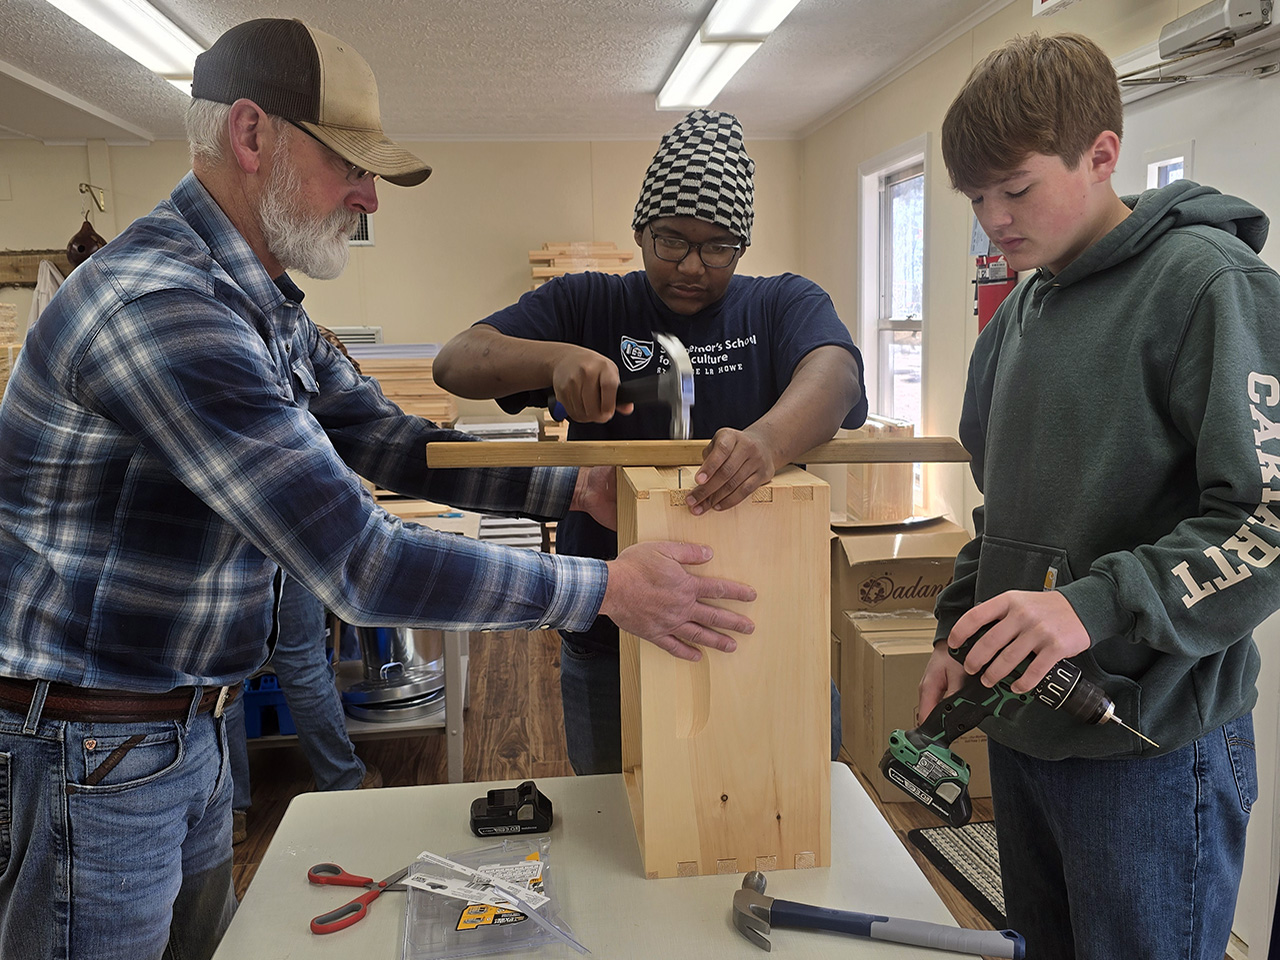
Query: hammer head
x=676 y=388
x=751 y=910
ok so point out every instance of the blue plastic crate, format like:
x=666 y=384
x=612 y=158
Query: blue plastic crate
x=265 y=710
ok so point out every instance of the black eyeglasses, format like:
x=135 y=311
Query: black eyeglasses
x=355 y=175
x=712 y=253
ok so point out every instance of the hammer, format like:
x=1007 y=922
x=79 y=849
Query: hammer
x=674 y=389
x=754 y=914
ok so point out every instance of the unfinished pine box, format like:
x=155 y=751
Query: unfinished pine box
x=727 y=760
x=881 y=492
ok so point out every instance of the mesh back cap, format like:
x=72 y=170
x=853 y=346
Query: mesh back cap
x=313 y=79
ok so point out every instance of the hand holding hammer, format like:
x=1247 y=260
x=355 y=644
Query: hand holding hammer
x=586 y=387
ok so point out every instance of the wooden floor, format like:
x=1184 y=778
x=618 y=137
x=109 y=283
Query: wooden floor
x=514 y=730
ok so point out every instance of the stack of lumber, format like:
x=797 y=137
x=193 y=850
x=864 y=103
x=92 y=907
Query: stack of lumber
x=553 y=430
x=881 y=492
x=8 y=342
x=509 y=531
x=403 y=370
x=557 y=259
x=438 y=516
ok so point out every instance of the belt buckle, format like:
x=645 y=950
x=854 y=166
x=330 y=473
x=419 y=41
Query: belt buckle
x=221 y=702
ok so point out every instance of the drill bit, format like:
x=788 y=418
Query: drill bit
x=1114 y=719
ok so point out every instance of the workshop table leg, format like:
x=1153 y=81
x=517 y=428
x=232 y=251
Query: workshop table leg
x=455 y=685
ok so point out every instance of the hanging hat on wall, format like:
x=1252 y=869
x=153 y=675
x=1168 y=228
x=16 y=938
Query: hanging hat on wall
x=84 y=244
x=701 y=170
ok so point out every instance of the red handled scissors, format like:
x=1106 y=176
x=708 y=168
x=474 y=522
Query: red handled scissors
x=349 y=913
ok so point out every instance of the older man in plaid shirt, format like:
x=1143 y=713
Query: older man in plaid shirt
x=176 y=435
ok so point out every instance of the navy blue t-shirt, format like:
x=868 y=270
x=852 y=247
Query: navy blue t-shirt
x=744 y=349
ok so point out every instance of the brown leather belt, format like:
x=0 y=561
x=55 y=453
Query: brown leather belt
x=65 y=702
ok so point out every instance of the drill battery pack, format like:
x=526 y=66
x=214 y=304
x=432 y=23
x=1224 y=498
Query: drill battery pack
x=502 y=812
x=930 y=773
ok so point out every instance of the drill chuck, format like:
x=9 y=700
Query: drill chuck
x=1065 y=688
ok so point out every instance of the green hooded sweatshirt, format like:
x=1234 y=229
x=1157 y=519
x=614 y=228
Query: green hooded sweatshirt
x=1124 y=423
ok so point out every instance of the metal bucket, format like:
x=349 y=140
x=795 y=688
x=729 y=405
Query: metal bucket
x=402 y=667
x=391 y=652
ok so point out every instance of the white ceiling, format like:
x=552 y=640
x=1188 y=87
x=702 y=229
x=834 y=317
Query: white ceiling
x=485 y=69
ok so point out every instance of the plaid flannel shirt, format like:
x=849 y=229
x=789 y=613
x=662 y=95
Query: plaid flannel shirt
x=176 y=431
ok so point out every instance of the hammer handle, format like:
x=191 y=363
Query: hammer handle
x=991 y=943
x=640 y=390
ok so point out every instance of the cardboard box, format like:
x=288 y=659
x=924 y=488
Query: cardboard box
x=882 y=660
x=902 y=567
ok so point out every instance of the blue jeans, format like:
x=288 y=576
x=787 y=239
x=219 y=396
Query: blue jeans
x=1126 y=858
x=590 y=689
x=306 y=677
x=134 y=867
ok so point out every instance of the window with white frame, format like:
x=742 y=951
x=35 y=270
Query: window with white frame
x=900 y=324
x=892 y=280
x=1168 y=164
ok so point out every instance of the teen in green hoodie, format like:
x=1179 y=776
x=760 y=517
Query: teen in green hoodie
x=1123 y=416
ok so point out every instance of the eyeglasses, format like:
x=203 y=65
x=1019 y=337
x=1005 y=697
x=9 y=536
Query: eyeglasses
x=712 y=253
x=355 y=175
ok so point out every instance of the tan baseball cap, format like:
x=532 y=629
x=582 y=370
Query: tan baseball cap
x=312 y=79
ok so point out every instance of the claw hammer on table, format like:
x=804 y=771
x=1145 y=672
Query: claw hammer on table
x=754 y=915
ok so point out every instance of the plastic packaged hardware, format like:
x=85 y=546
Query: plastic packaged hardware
x=458 y=916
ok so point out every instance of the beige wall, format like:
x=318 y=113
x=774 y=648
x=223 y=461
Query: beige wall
x=446 y=253
x=910 y=107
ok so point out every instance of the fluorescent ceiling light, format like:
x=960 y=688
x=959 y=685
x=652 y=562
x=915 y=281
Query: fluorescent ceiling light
x=745 y=19
x=140 y=30
x=732 y=32
x=702 y=73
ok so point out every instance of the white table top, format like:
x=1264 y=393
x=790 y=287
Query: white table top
x=612 y=909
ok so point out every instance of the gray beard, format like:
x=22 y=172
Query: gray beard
x=317 y=247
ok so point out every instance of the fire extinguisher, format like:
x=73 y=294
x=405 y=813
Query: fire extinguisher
x=994 y=282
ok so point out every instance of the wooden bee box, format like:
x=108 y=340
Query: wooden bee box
x=727 y=760
x=881 y=492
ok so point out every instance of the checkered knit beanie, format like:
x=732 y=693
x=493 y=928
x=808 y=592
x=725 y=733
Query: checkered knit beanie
x=701 y=170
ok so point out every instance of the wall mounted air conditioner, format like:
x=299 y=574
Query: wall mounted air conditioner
x=1225 y=38
x=1208 y=26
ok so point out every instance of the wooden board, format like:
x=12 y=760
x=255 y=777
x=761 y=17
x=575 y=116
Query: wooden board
x=670 y=453
x=554 y=256
x=726 y=760
x=545 y=273
x=580 y=248
x=21 y=268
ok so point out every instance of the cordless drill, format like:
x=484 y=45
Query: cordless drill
x=921 y=762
